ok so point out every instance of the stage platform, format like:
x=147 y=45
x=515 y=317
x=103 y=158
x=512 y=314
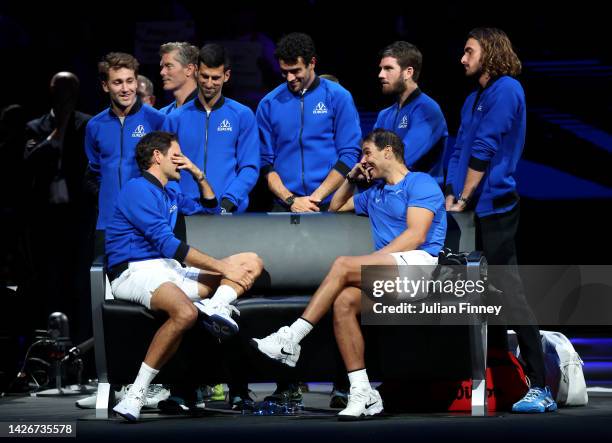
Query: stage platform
x=318 y=423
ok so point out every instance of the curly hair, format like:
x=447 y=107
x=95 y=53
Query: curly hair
x=498 y=56
x=295 y=45
x=116 y=60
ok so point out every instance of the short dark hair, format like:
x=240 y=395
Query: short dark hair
x=295 y=45
x=382 y=138
x=214 y=55
x=407 y=55
x=117 y=60
x=159 y=140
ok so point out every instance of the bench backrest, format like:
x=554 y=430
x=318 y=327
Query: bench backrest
x=297 y=250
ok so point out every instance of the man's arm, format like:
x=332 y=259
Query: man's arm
x=418 y=221
x=208 y=201
x=247 y=164
x=300 y=204
x=237 y=274
x=343 y=200
x=500 y=115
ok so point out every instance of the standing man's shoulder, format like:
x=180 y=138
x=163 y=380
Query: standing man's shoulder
x=336 y=90
x=428 y=104
x=238 y=108
x=279 y=92
x=152 y=114
x=508 y=85
x=81 y=119
x=99 y=119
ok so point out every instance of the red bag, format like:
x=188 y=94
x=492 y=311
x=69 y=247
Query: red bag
x=506 y=384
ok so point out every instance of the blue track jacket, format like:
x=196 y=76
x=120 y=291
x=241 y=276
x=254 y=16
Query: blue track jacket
x=144 y=219
x=304 y=136
x=490 y=139
x=111 y=149
x=421 y=125
x=223 y=144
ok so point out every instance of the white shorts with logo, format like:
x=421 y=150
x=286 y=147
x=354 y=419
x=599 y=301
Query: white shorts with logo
x=416 y=265
x=138 y=283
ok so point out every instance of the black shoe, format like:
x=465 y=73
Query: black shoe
x=175 y=405
x=339 y=399
x=241 y=401
x=287 y=393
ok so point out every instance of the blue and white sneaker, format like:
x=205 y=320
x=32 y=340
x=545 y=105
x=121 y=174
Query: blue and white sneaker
x=217 y=317
x=537 y=400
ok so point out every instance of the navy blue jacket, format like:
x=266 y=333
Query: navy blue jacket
x=111 y=150
x=144 y=219
x=490 y=139
x=304 y=136
x=172 y=106
x=421 y=125
x=223 y=144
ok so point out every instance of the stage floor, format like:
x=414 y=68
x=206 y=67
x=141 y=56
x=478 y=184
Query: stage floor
x=318 y=424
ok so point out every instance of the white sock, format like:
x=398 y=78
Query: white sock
x=225 y=294
x=145 y=377
x=359 y=379
x=300 y=329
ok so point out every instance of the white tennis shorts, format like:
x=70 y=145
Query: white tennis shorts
x=415 y=265
x=138 y=283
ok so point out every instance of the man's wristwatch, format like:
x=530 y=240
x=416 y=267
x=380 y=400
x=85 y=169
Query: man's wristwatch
x=463 y=200
x=289 y=200
x=350 y=179
x=202 y=177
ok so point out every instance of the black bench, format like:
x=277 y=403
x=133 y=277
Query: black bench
x=297 y=251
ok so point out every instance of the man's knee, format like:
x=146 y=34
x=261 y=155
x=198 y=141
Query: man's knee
x=256 y=264
x=185 y=315
x=345 y=305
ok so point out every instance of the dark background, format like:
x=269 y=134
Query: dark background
x=564 y=180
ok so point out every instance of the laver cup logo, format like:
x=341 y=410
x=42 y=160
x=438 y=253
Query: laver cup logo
x=320 y=108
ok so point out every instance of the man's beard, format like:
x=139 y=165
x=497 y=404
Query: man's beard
x=397 y=88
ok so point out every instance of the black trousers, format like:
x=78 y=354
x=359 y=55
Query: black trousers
x=495 y=237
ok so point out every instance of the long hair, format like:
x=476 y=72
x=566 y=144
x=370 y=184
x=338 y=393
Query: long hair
x=498 y=56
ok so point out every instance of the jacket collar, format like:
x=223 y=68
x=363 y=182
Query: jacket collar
x=137 y=106
x=413 y=95
x=200 y=106
x=152 y=179
x=315 y=84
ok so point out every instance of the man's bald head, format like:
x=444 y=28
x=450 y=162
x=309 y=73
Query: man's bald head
x=64 y=91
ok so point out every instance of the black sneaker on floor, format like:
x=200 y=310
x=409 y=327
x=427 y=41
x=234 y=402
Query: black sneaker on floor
x=175 y=405
x=241 y=401
x=288 y=393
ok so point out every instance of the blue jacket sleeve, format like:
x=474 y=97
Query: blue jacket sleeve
x=347 y=132
x=189 y=206
x=92 y=150
x=418 y=140
x=248 y=158
x=500 y=112
x=169 y=125
x=454 y=158
x=266 y=138
x=143 y=210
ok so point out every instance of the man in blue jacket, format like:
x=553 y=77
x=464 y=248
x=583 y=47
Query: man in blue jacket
x=415 y=116
x=481 y=176
x=144 y=259
x=178 y=70
x=309 y=131
x=112 y=135
x=218 y=134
